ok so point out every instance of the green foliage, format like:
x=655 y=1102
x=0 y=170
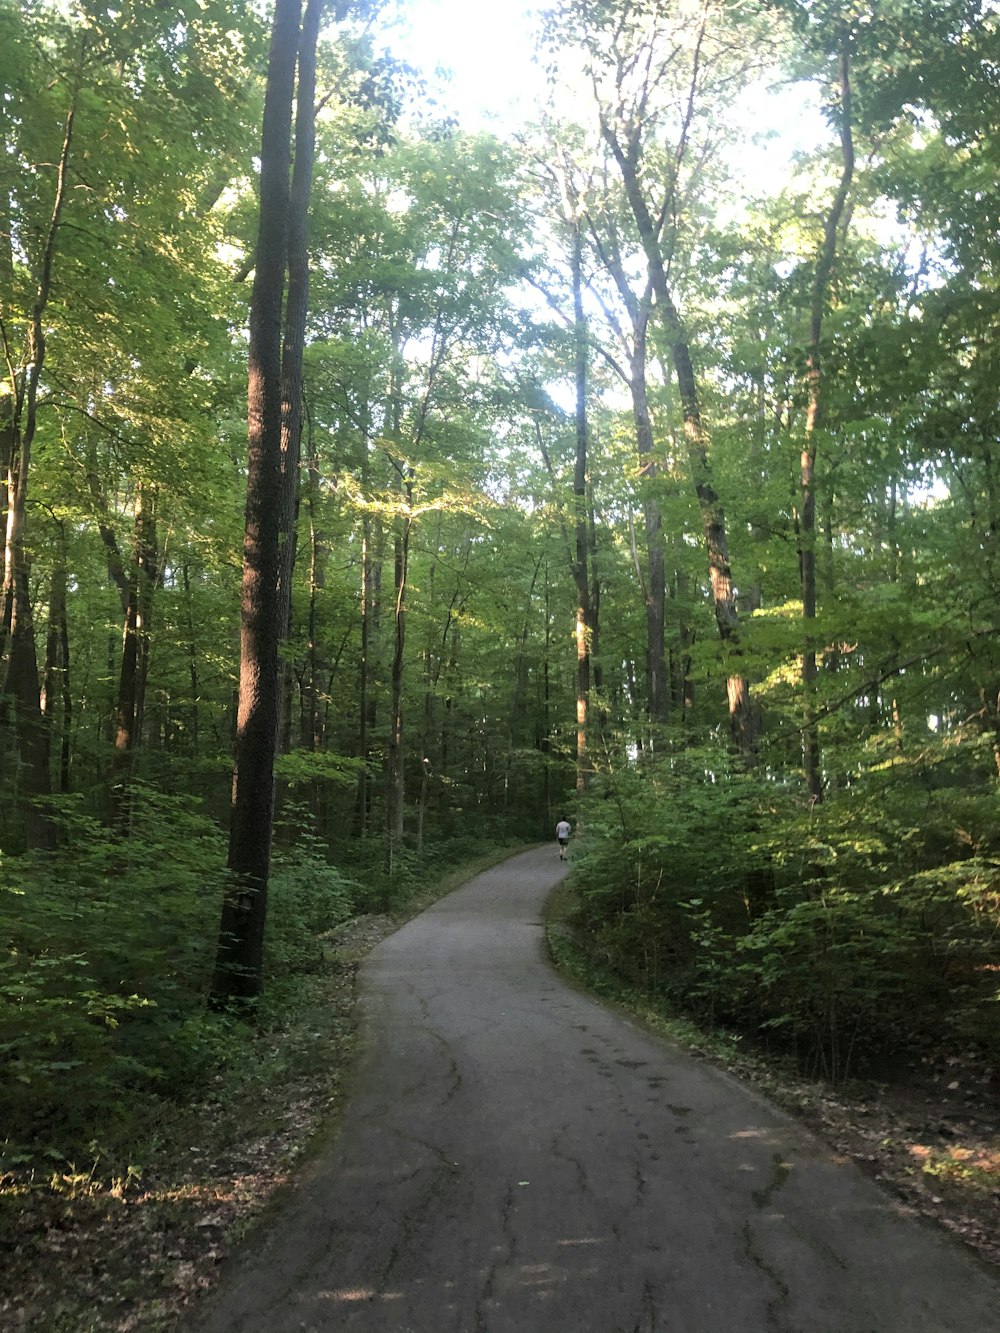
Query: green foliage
x=307 y=899
x=668 y=865
x=849 y=934
x=301 y=767
x=107 y=947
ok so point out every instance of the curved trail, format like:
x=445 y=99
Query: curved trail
x=517 y=1159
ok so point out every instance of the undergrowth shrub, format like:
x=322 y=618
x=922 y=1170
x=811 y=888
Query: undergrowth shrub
x=106 y=949
x=382 y=888
x=668 y=855
x=307 y=898
x=848 y=934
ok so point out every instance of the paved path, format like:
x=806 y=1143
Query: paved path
x=516 y=1159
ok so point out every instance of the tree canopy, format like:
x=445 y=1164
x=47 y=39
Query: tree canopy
x=634 y=467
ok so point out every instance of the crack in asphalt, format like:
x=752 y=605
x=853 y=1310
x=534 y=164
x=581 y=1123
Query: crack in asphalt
x=582 y=1179
x=640 y=1184
x=506 y=1260
x=781 y=1288
x=442 y=1174
x=648 y=1321
x=780 y=1171
x=453 y=1073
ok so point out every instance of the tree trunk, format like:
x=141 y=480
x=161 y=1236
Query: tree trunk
x=396 y=770
x=364 y=676
x=546 y=821
x=293 y=342
x=56 y=699
x=655 y=584
x=448 y=721
x=21 y=683
x=682 y=684
x=581 y=563
x=239 y=962
x=192 y=653
x=311 y=728
x=811 y=761
x=742 y=718
x=134 y=666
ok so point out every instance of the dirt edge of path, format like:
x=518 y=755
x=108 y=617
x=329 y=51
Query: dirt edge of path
x=934 y=1141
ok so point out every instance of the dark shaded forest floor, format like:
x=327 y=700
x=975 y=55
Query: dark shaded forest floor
x=79 y=1254
x=934 y=1140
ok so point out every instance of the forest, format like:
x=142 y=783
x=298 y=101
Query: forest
x=629 y=465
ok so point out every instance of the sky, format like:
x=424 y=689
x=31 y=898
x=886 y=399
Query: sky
x=488 y=47
x=487 y=44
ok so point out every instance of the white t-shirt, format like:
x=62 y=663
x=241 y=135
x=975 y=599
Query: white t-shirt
x=562 y=830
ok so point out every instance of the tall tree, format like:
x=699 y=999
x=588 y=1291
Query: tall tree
x=21 y=685
x=814 y=417
x=558 y=172
x=274 y=405
x=654 y=69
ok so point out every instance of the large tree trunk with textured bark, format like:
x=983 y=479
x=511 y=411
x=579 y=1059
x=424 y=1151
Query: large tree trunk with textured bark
x=273 y=401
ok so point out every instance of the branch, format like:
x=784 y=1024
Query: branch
x=562 y=519
x=569 y=323
x=874 y=681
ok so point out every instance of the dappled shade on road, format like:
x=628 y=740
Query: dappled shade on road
x=517 y=1159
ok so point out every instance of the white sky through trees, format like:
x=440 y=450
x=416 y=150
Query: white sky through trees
x=478 y=59
x=486 y=45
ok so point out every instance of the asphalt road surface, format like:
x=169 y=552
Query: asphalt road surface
x=517 y=1159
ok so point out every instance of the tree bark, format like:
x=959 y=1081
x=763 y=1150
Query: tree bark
x=655 y=583
x=582 y=559
x=56 y=697
x=134 y=667
x=742 y=718
x=371 y=586
x=21 y=684
x=405 y=467
x=811 y=759
x=396 y=774
x=192 y=655
x=682 y=686
x=312 y=733
x=293 y=341
x=239 y=961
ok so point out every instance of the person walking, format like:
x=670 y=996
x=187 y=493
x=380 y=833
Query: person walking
x=563 y=831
